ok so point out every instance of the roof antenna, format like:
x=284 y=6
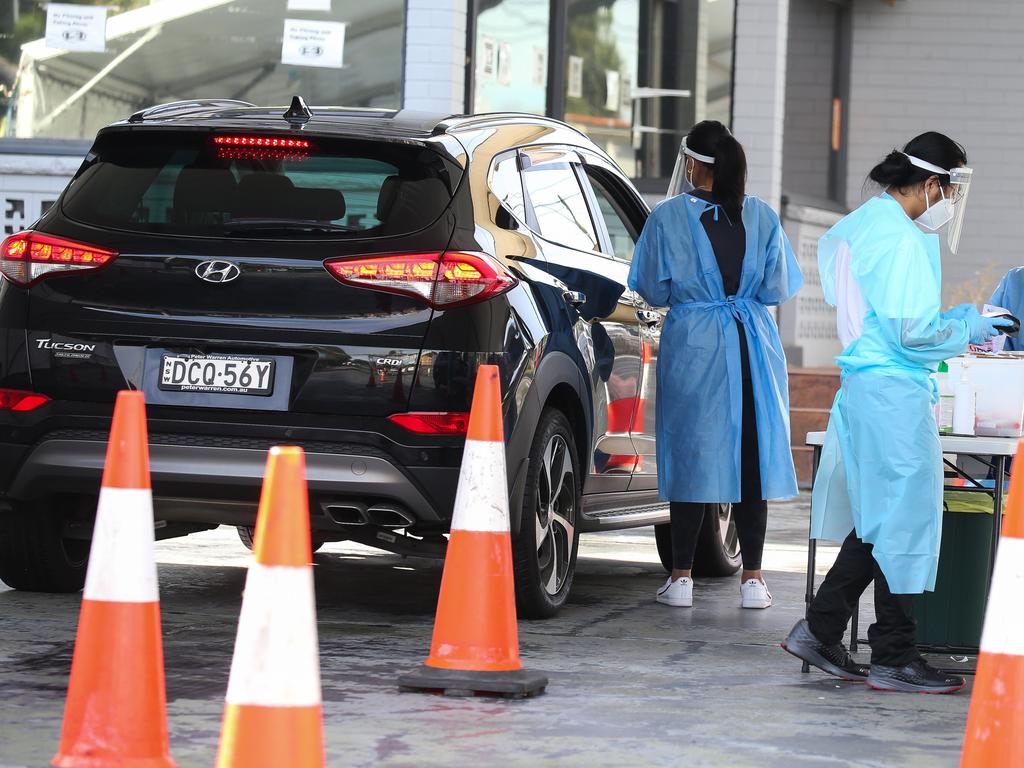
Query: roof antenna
x=298 y=113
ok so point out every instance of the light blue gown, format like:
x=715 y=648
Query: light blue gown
x=699 y=404
x=1010 y=295
x=881 y=465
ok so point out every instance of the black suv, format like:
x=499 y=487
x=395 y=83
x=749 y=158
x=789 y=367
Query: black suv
x=332 y=278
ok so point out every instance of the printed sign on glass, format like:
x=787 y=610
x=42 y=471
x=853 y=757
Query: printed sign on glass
x=313 y=43
x=76 y=27
x=613 y=99
x=504 y=64
x=575 y=89
x=488 y=54
x=540 y=66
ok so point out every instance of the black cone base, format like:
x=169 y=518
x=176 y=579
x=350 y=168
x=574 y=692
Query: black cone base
x=516 y=684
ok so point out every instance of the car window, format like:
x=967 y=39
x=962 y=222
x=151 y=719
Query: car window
x=559 y=206
x=507 y=185
x=621 y=231
x=256 y=186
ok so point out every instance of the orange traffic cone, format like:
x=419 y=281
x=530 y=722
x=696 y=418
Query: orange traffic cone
x=116 y=711
x=995 y=723
x=476 y=641
x=273 y=714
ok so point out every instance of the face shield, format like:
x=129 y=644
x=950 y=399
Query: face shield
x=680 y=183
x=959 y=183
x=960 y=180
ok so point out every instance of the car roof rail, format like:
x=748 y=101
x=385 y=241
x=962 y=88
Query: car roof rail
x=487 y=119
x=187 y=107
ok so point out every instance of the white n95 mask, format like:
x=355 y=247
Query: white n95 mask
x=937 y=215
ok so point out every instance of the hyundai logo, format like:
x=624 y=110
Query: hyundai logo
x=217 y=271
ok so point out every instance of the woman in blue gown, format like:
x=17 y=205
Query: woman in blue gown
x=879 y=483
x=718 y=259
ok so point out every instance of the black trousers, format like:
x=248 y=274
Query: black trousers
x=750 y=514
x=893 y=635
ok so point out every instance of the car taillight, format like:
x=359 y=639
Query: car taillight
x=429 y=423
x=19 y=400
x=442 y=280
x=28 y=256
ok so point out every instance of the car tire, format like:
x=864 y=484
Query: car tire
x=718 y=546
x=35 y=553
x=716 y=554
x=546 y=545
x=247 y=532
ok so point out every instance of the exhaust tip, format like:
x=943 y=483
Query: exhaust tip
x=346 y=514
x=389 y=516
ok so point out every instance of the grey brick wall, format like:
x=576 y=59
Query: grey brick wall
x=759 y=92
x=956 y=67
x=808 y=121
x=435 y=55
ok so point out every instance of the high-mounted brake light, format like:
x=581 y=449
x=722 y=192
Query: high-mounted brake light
x=236 y=147
x=20 y=401
x=442 y=280
x=261 y=141
x=28 y=256
x=432 y=423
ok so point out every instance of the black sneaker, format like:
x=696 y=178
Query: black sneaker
x=916 y=677
x=834 y=659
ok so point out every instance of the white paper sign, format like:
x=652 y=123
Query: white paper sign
x=76 y=27
x=309 y=5
x=540 y=66
x=504 y=64
x=613 y=101
x=313 y=43
x=575 y=89
x=488 y=55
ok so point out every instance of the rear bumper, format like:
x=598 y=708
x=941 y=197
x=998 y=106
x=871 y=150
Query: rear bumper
x=222 y=484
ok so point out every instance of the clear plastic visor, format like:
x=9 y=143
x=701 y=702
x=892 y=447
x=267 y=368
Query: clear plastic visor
x=960 y=182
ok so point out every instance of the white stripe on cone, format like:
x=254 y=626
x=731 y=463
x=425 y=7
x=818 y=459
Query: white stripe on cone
x=122 y=565
x=1004 y=620
x=481 y=501
x=277 y=658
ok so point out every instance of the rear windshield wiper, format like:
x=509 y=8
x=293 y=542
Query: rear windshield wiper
x=289 y=225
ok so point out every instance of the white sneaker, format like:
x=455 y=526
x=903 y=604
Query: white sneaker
x=754 y=594
x=678 y=593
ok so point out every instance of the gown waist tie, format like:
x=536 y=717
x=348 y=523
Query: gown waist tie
x=738 y=306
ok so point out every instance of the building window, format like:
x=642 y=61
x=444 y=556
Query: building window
x=686 y=55
x=601 y=69
x=169 y=50
x=511 y=56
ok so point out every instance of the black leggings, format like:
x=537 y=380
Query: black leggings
x=751 y=514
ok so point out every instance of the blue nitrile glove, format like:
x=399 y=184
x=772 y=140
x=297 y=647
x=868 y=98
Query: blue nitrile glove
x=984 y=328
x=960 y=312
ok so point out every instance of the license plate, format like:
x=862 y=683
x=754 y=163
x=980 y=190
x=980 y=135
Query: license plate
x=226 y=374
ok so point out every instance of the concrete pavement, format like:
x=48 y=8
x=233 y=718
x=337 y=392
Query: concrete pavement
x=631 y=682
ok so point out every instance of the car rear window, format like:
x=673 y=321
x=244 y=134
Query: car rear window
x=229 y=184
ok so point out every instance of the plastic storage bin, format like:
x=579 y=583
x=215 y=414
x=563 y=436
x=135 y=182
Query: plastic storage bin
x=998 y=382
x=954 y=614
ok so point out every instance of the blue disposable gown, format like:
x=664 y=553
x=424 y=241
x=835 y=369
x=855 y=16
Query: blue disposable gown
x=881 y=465
x=1010 y=295
x=699 y=404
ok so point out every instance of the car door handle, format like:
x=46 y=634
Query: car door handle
x=649 y=317
x=574 y=298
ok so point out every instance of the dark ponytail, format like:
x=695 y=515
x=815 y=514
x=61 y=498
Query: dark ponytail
x=897 y=171
x=711 y=138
